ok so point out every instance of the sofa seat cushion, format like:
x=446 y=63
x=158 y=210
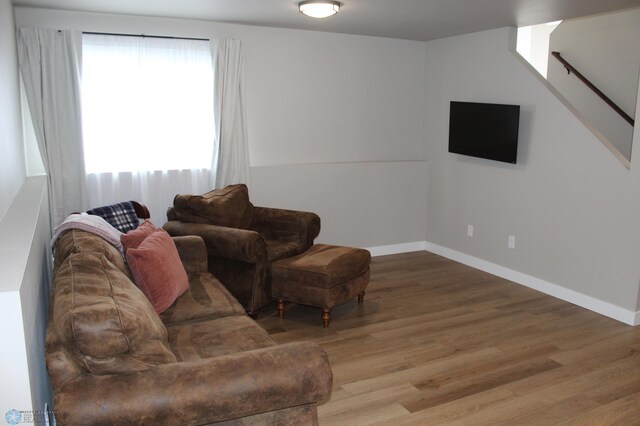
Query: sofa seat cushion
x=104 y=321
x=205 y=298
x=223 y=336
x=229 y=206
x=78 y=241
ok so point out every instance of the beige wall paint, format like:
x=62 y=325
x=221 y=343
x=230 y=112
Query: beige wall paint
x=334 y=121
x=572 y=206
x=367 y=204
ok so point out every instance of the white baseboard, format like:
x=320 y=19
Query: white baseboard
x=397 y=248
x=596 y=305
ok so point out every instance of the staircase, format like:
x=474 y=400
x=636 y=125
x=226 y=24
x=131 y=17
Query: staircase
x=593 y=64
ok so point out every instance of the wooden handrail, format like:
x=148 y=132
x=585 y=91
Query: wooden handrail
x=591 y=86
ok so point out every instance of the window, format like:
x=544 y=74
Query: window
x=147 y=104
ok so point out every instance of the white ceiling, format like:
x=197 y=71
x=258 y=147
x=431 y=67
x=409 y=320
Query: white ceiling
x=406 y=19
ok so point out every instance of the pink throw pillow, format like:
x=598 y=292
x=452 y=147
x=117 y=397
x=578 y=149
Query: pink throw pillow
x=133 y=238
x=157 y=270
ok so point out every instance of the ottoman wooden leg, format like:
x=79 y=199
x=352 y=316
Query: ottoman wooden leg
x=280 y=307
x=326 y=317
x=361 y=297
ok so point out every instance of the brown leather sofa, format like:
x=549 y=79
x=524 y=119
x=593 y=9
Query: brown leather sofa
x=242 y=240
x=113 y=360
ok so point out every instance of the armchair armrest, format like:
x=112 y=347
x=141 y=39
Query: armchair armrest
x=305 y=224
x=229 y=243
x=203 y=391
x=193 y=253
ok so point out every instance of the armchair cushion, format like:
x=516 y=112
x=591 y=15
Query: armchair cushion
x=105 y=323
x=157 y=270
x=277 y=249
x=229 y=206
x=286 y=225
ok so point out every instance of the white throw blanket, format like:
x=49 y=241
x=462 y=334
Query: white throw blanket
x=90 y=223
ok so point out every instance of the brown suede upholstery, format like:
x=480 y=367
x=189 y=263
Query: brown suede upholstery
x=105 y=324
x=324 y=276
x=208 y=339
x=77 y=241
x=113 y=360
x=241 y=258
x=228 y=206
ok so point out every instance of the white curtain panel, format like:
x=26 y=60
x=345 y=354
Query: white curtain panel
x=154 y=189
x=231 y=155
x=50 y=68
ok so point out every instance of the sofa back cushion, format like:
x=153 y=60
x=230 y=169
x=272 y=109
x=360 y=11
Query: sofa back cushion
x=229 y=206
x=76 y=241
x=105 y=323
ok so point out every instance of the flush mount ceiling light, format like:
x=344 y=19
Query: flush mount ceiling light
x=319 y=9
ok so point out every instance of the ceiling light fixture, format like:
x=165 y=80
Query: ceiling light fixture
x=319 y=9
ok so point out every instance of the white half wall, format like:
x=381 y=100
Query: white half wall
x=25 y=261
x=572 y=207
x=24 y=246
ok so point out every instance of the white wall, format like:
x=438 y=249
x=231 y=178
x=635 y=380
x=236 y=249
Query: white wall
x=317 y=102
x=605 y=49
x=12 y=169
x=533 y=45
x=24 y=246
x=572 y=206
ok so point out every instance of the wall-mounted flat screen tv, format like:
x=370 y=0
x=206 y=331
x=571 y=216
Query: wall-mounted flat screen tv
x=484 y=130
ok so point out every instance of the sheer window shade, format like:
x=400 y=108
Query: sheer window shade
x=147 y=119
x=146 y=104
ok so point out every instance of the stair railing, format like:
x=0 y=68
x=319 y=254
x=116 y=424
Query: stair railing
x=591 y=86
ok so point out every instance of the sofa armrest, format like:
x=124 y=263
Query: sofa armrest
x=229 y=243
x=193 y=253
x=203 y=391
x=305 y=224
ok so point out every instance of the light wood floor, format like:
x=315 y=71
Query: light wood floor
x=437 y=342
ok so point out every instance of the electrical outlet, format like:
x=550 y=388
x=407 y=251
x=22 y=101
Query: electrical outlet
x=512 y=242
x=470 y=230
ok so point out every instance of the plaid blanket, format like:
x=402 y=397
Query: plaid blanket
x=121 y=216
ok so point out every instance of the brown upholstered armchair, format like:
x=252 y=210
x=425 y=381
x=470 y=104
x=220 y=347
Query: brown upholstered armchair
x=242 y=240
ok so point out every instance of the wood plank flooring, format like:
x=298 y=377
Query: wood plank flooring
x=437 y=342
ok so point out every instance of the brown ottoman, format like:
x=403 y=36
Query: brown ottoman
x=324 y=276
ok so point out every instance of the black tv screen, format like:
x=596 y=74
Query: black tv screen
x=484 y=130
